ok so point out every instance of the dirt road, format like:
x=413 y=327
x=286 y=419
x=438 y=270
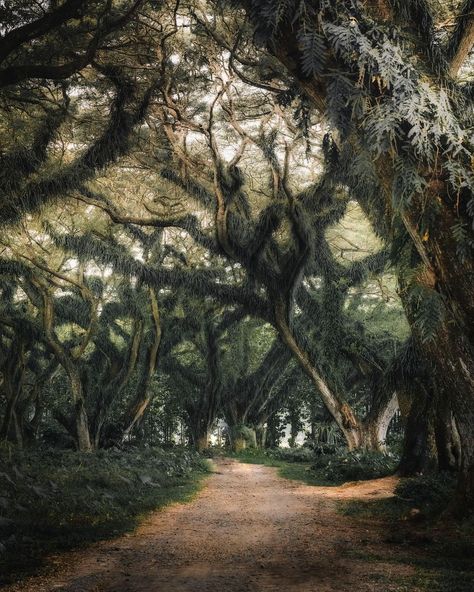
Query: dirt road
x=248 y=530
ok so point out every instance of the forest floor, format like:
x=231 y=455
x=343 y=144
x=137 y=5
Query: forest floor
x=251 y=530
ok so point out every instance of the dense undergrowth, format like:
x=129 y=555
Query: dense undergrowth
x=54 y=500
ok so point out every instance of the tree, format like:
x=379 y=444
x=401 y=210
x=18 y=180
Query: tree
x=55 y=60
x=386 y=75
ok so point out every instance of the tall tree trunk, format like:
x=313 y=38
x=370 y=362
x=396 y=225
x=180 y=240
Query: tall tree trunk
x=7 y=431
x=13 y=378
x=419 y=454
x=203 y=443
x=261 y=435
x=448 y=443
x=137 y=408
x=78 y=425
x=201 y=437
x=340 y=410
x=35 y=422
x=70 y=363
x=81 y=422
x=375 y=427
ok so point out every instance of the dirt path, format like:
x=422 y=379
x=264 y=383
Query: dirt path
x=248 y=530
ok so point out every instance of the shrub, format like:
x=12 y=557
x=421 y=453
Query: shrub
x=55 y=499
x=355 y=466
x=300 y=454
x=430 y=492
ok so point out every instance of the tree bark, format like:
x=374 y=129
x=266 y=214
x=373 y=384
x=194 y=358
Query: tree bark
x=201 y=439
x=138 y=407
x=375 y=427
x=419 y=454
x=261 y=436
x=448 y=443
x=81 y=422
x=340 y=410
x=13 y=377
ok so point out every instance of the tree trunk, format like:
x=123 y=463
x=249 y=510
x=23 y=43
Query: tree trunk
x=202 y=442
x=97 y=427
x=134 y=415
x=375 y=427
x=419 y=447
x=448 y=443
x=78 y=425
x=7 y=431
x=35 y=423
x=261 y=436
x=340 y=410
x=464 y=414
x=13 y=377
x=138 y=407
x=450 y=354
x=81 y=421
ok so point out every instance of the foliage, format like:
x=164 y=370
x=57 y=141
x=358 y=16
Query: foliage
x=53 y=500
x=355 y=466
x=430 y=493
x=296 y=470
x=300 y=454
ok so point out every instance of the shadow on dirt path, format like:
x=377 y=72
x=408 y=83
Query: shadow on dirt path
x=247 y=530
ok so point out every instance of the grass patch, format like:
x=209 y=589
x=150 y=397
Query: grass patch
x=56 y=500
x=439 y=566
x=295 y=470
x=303 y=464
x=421 y=499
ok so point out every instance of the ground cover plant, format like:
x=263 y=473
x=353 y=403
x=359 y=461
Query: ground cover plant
x=324 y=469
x=55 y=500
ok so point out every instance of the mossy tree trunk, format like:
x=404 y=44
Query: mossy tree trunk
x=138 y=406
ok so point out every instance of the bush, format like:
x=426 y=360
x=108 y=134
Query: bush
x=55 y=499
x=300 y=454
x=430 y=492
x=355 y=466
x=324 y=448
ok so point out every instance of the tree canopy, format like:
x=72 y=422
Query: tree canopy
x=237 y=211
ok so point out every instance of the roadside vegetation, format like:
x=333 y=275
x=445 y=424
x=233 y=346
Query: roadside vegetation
x=53 y=500
x=312 y=467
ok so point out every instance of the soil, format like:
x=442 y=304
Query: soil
x=247 y=530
